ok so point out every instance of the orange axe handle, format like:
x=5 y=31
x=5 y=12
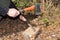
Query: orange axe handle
x=30 y=8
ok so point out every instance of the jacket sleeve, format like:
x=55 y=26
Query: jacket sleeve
x=12 y=5
x=4 y=7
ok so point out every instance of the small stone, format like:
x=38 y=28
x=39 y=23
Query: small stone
x=1 y=38
x=53 y=35
x=30 y=35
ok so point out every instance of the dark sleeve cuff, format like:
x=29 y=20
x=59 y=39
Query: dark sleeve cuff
x=12 y=5
x=3 y=11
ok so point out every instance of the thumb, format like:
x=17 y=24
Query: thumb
x=22 y=18
x=17 y=13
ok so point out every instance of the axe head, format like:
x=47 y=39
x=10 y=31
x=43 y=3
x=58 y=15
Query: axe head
x=37 y=9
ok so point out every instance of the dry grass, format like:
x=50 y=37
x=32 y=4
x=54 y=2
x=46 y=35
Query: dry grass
x=50 y=11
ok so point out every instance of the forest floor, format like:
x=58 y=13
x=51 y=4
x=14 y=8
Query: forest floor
x=10 y=29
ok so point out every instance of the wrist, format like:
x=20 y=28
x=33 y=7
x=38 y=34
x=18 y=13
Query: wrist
x=21 y=12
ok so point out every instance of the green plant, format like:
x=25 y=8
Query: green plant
x=44 y=20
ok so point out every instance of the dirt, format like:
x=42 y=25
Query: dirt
x=10 y=29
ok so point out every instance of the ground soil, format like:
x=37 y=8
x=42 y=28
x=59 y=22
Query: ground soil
x=10 y=29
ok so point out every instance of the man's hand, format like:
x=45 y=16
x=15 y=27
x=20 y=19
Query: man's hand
x=13 y=12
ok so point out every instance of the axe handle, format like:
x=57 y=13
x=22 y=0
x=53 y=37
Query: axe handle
x=30 y=8
x=34 y=7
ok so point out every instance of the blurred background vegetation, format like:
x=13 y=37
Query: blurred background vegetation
x=24 y=3
x=45 y=4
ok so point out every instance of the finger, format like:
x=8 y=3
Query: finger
x=22 y=18
x=17 y=13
